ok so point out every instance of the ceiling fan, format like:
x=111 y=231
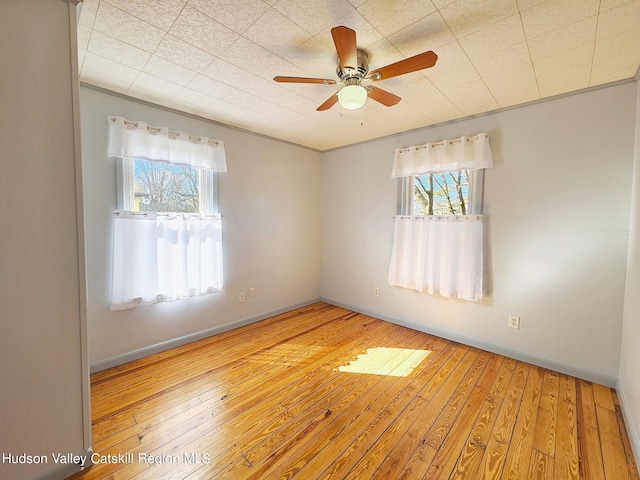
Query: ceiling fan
x=353 y=70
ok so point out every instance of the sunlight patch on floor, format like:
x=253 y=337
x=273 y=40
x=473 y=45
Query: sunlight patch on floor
x=395 y=362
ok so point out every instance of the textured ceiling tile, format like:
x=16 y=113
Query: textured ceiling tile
x=284 y=68
x=148 y=82
x=88 y=11
x=182 y=102
x=201 y=31
x=161 y=68
x=575 y=63
x=84 y=34
x=225 y=72
x=390 y=17
x=468 y=16
x=563 y=39
x=553 y=14
x=249 y=56
x=197 y=100
x=437 y=107
x=180 y=52
x=498 y=36
x=313 y=57
x=209 y=86
x=261 y=105
x=276 y=33
x=127 y=28
x=314 y=15
x=442 y=3
x=414 y=90
x=99 y=79
x=619 y=20
x=238 y=15
x=148 y=95
x=513 y=87
x=117 y=51
x=161 y=13
x=451 y=69
x=403 y=114
x=383 y=53
x=427 y=34
x=366 y=34
x=95 y=64
x=501 y=60
x=81 y=54
x=472 y=98
x=525 y=4
x=616 y=58
x=609 y=4
x=494 y=65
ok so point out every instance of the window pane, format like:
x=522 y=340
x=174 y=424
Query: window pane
x=165 y=187
x=441 y=193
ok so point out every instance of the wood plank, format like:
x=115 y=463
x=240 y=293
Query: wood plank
x=566 y=448
x=495 y=454
x=270 y=400
x=589 y=442
x=519 y=455
x=541 y=466
x=613 y=457
x=628 y=451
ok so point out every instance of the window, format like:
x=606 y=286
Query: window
x=167 y=232
x=157 y=186
x=457 y=192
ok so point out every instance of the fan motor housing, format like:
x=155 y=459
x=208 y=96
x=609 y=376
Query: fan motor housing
x=360 y=72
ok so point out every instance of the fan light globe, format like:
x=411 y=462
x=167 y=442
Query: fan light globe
x=352 y=97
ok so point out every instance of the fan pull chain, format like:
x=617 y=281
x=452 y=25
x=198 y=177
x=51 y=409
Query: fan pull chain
x=362 y=117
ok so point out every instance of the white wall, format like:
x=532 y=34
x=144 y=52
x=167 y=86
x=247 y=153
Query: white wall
x=557 y=221
x=44 y=403
x=629 y=379
x=270 y=200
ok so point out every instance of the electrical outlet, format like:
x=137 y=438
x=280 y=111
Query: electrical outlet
x=252 y=292
x=514 y=321
x=241 y=297
x=376 y=292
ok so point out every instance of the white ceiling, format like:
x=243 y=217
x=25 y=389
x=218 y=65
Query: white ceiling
x=216 y=58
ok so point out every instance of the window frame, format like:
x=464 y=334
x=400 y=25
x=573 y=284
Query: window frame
x=125 y=187
x=406 y=189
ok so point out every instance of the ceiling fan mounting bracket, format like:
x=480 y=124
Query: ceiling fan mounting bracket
x=359 y=72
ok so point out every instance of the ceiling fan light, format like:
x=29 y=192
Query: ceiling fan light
x=352 y=97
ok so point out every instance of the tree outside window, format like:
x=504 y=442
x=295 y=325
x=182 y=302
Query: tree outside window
x=445 y=193
x=165 y=187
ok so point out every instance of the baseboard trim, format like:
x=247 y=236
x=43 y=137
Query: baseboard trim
x=632 y=433
x=490 y=347
x=193 y=337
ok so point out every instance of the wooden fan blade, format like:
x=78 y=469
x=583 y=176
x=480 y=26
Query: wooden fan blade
x=408 y=65
x=330 y=102
x=345 y=41
x=324 y=81
x=382 y=96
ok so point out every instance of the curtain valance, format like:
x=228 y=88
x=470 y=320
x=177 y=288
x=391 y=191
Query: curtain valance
x=137 y=139
x=470 y=153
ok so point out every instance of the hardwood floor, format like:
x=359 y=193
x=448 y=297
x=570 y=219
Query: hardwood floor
x=295 y=396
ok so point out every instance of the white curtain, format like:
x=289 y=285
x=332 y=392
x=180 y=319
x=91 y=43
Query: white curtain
x=469 y=153
x=137 y=139
x=159 y=258
x=439 y=255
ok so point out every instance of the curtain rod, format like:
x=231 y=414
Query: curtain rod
x=146 y=214
x=171 y=132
